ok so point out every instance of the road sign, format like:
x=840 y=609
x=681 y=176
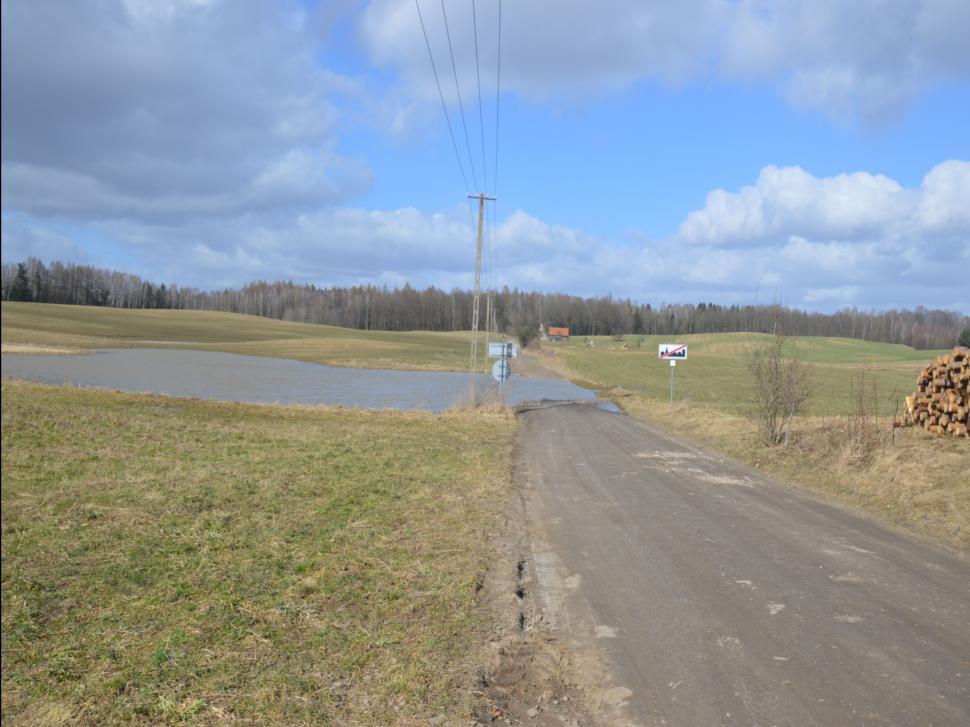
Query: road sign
x=501 y=370
x=502 y=350
x=673 y=350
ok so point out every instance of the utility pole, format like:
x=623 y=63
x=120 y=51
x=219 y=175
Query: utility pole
x=488 y=319
x=481 y=197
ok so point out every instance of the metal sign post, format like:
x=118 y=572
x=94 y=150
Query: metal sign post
x=501 y=370
x=672 y=352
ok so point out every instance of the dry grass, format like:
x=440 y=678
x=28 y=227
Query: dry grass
x=86 y=327
x=171 y=560
x=19 y=348
x=478 y=398
x=921 y=481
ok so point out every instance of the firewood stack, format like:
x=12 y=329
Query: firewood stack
x=941 y=402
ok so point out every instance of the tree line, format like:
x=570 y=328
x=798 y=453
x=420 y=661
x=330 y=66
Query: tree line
x=371 y=307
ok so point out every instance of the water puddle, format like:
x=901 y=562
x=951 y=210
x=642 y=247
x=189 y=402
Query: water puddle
x=232 y=377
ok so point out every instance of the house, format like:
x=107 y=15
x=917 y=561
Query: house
x=558 y=335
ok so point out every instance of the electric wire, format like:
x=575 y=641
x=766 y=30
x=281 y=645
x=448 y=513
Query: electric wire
x=441 y=95
x=490 y=219
x=461 y=107
x=498 y=96
x=494 y=210
x=481 y=114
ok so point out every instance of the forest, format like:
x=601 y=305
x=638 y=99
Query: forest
x=405 y=309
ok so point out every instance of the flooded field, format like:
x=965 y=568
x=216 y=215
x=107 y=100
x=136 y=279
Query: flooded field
x=231 y=377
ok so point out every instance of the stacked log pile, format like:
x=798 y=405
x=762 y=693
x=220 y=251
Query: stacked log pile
x=941 y=402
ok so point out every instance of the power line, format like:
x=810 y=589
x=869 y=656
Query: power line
x=493 y=229
x=481 y=115
x=444 y=106
x=498 y=96
x=461 y=107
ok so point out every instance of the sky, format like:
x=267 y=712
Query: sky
x=815 y=154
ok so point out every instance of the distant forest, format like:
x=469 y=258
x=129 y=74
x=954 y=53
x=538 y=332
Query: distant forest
x=407 y=309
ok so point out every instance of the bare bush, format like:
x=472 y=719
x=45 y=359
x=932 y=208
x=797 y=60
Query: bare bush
x=862 y=438
x=478 y=398
x=780 y=389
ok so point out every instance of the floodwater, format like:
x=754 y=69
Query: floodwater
x=231 y=377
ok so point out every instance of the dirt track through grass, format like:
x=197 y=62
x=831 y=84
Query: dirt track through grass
x=168 y=560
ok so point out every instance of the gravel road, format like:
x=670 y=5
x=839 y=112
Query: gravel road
x=713 y=596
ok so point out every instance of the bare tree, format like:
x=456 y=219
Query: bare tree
x=780 y=388
x=378 y=308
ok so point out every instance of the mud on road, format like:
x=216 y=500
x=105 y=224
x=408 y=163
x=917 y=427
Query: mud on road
x=646 y=581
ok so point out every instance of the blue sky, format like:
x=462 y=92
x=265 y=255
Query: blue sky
x=713 y=150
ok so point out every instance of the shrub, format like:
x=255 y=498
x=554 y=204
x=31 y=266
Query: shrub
x=780 y=388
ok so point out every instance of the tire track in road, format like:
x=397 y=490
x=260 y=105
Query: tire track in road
x=716 y=596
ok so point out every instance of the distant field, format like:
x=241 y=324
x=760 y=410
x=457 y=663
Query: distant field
x=170 y=560
x=714 y=374
x=66 y=327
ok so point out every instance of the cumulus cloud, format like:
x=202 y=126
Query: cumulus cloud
x=852 y=238
x=857 y=61
x=823 y=243
x=157 y=111
x=788 y=201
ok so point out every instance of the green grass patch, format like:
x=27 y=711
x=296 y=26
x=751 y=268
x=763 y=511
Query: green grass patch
x=715 y=375
x=169 y=560
x=87 y=327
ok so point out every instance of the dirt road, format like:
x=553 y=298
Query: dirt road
x=711 y=596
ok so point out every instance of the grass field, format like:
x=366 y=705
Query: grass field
x=29 y=327
x=714 y=375
x=168 y=560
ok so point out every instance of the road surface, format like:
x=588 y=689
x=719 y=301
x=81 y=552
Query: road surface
x=716 y=597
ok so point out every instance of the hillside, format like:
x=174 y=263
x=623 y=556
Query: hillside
x=714 y=374
x=71 y=327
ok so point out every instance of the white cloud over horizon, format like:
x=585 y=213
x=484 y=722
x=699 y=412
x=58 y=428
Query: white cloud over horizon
x=823 y=243
x=789 y=201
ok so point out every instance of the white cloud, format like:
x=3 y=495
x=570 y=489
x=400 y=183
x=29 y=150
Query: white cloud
x=852 y=239
x=789 y=201
x=855 y=61
x=164 y=111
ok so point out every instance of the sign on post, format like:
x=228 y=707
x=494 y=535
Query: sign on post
x=502 y=350
x=673 y=351
x=501 y=370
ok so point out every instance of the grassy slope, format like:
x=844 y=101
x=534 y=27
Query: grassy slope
x=168 y=559
x=714 y=374
x=85 y=327
x=921 y=481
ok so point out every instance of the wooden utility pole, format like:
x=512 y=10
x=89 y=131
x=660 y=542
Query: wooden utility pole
x=481 y=197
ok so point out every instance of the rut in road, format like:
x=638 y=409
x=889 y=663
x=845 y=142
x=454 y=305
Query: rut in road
x=716 y=596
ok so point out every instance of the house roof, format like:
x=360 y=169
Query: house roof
x=553 y=331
